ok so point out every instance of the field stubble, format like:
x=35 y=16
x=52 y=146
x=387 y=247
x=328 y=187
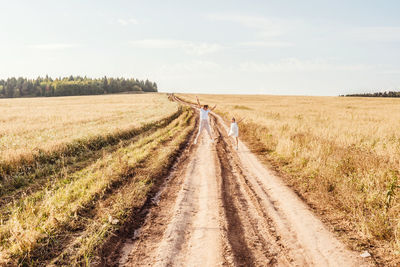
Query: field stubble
x=341 y=155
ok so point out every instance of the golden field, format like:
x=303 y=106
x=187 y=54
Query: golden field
x=66 y=207
x=29 y=124
x=341 y=155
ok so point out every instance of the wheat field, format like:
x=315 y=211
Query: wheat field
x=29 y=124
x=100 y=157
x=340 y=154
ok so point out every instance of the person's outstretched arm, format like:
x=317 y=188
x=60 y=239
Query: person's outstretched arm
x=198 y=102
x=213 y=108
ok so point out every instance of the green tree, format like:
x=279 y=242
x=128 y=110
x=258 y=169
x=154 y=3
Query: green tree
x=67 y=86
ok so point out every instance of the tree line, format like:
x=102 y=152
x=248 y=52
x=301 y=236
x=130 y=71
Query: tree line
x=69 y=86
x=377 y=94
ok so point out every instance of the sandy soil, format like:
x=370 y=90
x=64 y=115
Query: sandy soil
x=222 y=207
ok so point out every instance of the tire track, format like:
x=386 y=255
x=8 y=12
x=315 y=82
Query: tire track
x=251 y=234
x=184 y=230
x=231 y=198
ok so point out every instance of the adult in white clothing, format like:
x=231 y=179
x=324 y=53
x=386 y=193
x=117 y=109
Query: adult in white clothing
x=204 y=121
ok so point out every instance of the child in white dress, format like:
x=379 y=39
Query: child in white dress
x=234 y=131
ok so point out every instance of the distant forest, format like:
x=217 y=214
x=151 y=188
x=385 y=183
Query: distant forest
x=73 y=85
x=379 y=94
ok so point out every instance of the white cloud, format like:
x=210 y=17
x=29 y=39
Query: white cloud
x=266 y=44
x=268 y=32
x=391 y=71
x=268 y=27
x=125 y=22
x=187 y=46
x=54 y=46
x=249 y=21
x=201 y=48
x=156 y=43
x=190 y=67
x=296 y=65
x=377 y=34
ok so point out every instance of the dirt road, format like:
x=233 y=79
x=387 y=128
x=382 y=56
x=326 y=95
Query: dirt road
x=222 y=207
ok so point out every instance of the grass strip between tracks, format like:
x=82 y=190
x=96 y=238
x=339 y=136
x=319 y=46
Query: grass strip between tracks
x=75 y=216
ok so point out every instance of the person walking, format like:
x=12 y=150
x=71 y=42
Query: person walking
x=204 y=121
x=234 y=130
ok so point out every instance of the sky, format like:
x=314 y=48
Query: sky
x=285 y=47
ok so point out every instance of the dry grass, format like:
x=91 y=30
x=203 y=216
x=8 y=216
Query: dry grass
x=30 y=124
x=67 y=219
x=341 y=154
